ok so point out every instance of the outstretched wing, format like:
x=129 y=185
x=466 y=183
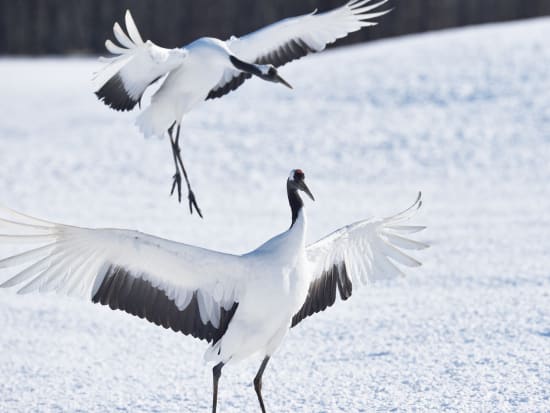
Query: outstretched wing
x=357 y=254
x=135 y=66
x=182 y=287
x=292 y=38
x=295 y=37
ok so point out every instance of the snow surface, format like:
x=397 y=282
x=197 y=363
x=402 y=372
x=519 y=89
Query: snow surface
x=463 y=115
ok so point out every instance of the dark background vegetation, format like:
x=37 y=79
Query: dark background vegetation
x=81 y=26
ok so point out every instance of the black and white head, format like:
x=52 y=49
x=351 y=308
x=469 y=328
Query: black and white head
x=270 y=73
x=265 y=72
x=296 y=182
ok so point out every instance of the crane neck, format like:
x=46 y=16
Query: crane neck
x=245 y=67
x=295 y=201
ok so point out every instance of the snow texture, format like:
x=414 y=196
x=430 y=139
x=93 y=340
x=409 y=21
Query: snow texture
x=463 y=115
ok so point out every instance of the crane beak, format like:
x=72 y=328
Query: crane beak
x=279 y=79
x=302 y=185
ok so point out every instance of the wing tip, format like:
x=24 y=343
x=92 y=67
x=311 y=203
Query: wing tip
x=116 y=27
x=31 y=221
x=364 y=13
x=361 y=7
x=132 y=29
x=417 y=204
x=357 y=3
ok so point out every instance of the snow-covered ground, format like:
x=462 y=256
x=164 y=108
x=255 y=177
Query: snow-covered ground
x=462 y=115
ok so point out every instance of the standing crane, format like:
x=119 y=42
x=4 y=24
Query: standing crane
x=241 y=304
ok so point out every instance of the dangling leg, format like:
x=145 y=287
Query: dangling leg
x=177 y=176
x=190 y=194
x=216 y=373
x=258 y=382
x=179 y=165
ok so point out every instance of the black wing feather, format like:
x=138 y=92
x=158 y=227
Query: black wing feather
x=291 y=50
x=114 y=95
x=322 y=292
x=233 y=84
x=121 y=290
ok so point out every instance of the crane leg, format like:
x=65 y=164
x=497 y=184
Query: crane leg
x=216 y=373
x=258 y=382
x=176 y=153
x=177 y=176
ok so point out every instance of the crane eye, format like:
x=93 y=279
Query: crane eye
x=271 y=71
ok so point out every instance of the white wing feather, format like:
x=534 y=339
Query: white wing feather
x=315 y=30
x=370 y=249
x=73 y=261
x=136 y=65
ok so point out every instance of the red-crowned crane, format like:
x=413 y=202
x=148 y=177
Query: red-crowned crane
x=209 y=68
x=241 y=304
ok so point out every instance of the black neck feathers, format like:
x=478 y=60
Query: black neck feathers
x=245 y=67
x=295 y=202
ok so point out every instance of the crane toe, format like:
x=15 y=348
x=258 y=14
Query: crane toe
x=176 y=183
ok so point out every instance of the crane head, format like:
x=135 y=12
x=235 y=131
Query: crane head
x=265 y=72
x=296 y=180
x=270 y=73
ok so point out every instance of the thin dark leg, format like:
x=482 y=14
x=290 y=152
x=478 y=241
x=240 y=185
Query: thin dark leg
x=258 y=382
x=216 y=373
x=177 y=176
x=176 y=152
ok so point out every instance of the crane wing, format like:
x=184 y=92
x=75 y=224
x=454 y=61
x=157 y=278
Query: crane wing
x=295 y=37
x=292 y=38
x=231 y=80
x=357 y=254
x=188 y=289
x=135 y=66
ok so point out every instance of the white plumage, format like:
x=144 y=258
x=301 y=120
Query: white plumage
x=138 y=64
x=209 y=68
x=242 y=305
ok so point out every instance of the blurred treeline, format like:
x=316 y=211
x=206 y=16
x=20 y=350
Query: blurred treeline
x=81 y=26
